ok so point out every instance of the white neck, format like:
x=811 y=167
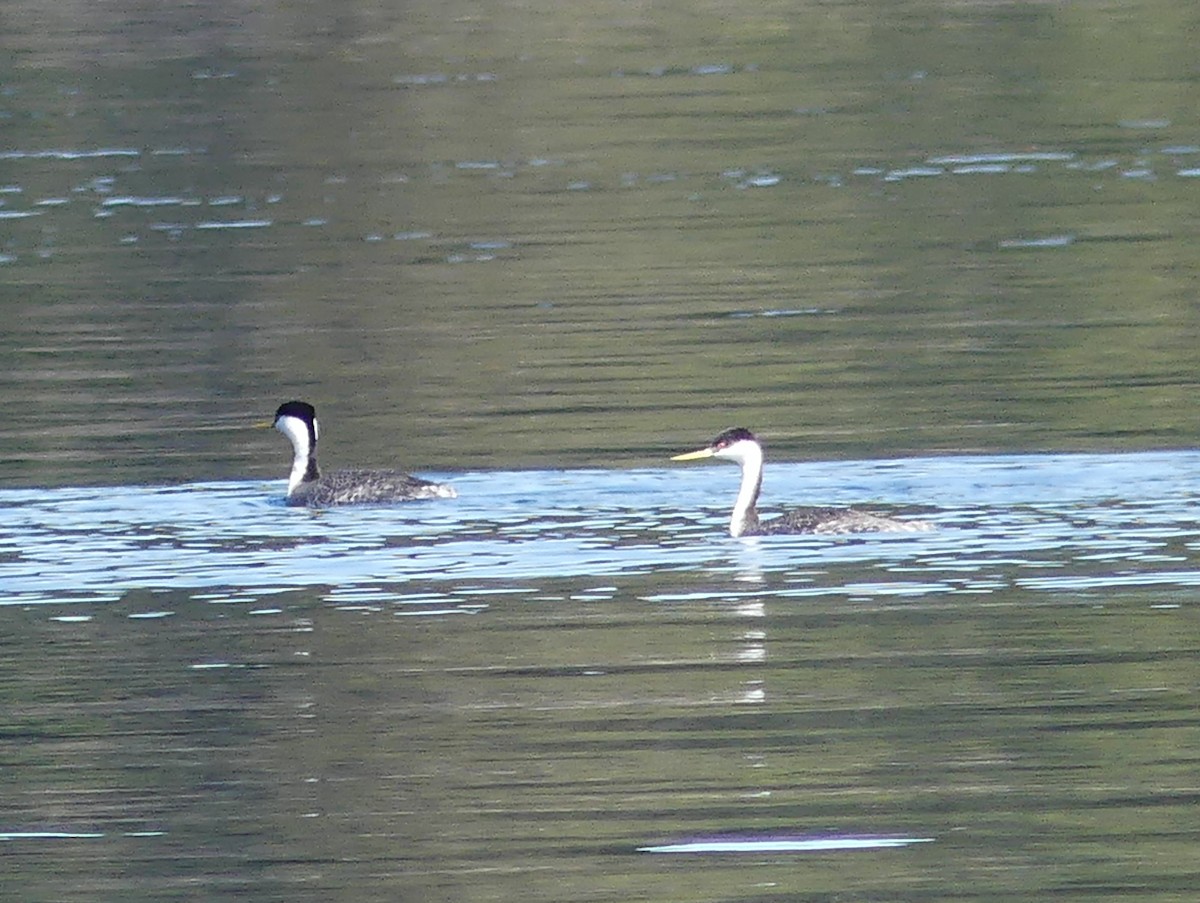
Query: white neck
x=750 y=456
x=297 y=432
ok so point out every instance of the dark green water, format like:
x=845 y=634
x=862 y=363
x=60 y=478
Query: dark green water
x=498 y=242
x=526 y=236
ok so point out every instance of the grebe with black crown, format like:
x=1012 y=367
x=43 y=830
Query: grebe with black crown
x=307 y=486
x=740 y=446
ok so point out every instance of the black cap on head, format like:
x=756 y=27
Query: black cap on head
x=299 y=409
x=727 y=438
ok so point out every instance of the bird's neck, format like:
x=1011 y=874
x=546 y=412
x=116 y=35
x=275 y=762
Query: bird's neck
x=745 y=517
x=304 y=450
x=304 y=468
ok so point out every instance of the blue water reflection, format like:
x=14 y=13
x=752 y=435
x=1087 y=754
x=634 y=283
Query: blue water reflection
x=1044 y=523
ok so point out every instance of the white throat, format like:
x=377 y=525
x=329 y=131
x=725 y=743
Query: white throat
x=297 y=432
x=750 y=456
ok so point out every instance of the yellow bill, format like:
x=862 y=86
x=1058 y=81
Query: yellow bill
x=693 y=455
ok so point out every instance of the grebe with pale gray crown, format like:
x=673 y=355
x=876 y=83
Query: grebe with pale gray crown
x=740 y=446
x=307 y=486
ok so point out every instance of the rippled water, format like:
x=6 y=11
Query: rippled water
x=543 y=238
x=540 y=248
x=563 y=682
x=1039 y=519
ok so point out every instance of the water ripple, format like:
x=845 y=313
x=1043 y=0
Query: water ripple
x=1041 y=523
x=120 y=192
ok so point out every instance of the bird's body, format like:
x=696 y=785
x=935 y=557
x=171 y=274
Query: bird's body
x=307 y=486
x=366 y=487
x=826 y=520
x=740 y=446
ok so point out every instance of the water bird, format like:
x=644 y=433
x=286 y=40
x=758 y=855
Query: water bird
x=740 y=446
x=307 y=486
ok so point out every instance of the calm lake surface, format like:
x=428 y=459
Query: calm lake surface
x=941 y=256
